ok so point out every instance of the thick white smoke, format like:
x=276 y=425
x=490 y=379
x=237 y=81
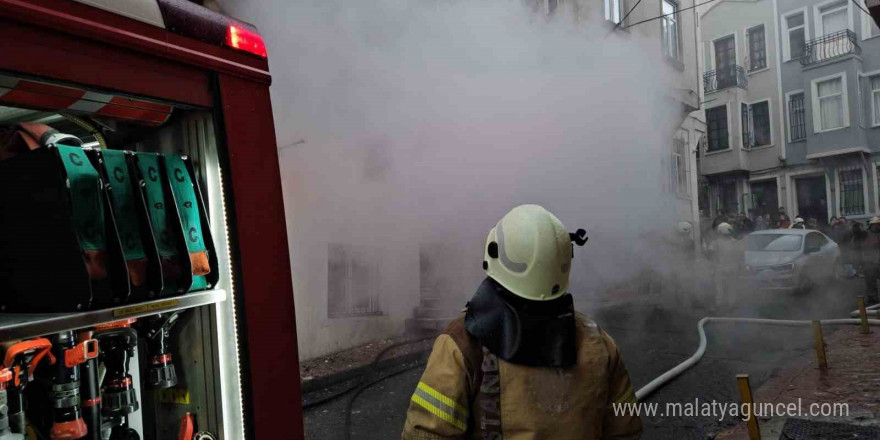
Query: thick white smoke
x=425 y=121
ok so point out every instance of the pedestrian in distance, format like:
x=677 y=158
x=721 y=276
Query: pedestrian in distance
x=798 y=223
x=521 y=363
x=783 y=222
x=761 y=223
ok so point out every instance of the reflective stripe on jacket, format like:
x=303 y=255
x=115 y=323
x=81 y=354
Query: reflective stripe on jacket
x=457 y=399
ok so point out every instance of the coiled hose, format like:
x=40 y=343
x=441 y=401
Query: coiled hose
x=664 y=378
x=88 y=126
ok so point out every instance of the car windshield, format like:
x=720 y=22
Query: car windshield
x=774 y=242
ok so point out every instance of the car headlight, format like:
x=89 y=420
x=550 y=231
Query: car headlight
x=784 y=268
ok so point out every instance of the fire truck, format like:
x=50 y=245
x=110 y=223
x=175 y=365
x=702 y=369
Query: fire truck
x=145 y=284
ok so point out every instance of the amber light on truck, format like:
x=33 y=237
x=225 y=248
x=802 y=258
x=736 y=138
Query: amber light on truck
x=245 y=40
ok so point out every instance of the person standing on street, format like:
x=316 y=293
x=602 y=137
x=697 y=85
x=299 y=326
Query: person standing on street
x=871 y=259
x=727 y=263
x=521 y=364
x=798 y=224
x=760 y=223
x=783 y=222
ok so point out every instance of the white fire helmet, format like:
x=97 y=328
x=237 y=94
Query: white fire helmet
x=685 y=227
x=529 y=252
x=724 y=228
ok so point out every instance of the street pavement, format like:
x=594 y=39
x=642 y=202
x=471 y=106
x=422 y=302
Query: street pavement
x=653 y=336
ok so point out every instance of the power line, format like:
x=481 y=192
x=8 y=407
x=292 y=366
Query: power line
x=622 y=20
x=860 y=7
x=666 y=15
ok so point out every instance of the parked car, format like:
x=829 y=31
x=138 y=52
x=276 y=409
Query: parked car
x=790 y=259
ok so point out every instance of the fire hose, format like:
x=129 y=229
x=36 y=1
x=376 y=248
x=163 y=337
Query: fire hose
x=871 y=311
x=664 y=378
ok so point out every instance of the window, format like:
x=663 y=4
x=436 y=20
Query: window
x=852 y=198
x=669 y=9
x=614 y=11
x=352 y=279
x=716 y=124
x=680 y=164
x=797 y=120
x=875 y=100
x=833 y=18
x=869 y=27
x=773 y=242
x=797 y=36
x=815 y=240
x=757 y=48
x=756 y=124
x=760 y=119
x=830 y=101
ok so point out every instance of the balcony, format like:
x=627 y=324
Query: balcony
x=720 y=79
x=830 y=46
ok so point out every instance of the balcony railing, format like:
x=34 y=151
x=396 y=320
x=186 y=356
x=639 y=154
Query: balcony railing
x=830 y=46
x=719 y=79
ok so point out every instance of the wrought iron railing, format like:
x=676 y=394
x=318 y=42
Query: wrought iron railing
x=719 y=79
x=830 y=46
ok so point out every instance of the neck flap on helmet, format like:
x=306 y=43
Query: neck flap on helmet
x=520 y=331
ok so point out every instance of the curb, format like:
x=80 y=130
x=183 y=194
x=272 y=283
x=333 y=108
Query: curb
x=333 y=379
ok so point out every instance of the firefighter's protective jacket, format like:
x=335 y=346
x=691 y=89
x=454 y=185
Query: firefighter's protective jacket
x=466 y=392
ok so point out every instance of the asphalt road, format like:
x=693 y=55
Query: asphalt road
x=652 y=339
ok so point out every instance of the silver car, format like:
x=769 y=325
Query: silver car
x=790 y=259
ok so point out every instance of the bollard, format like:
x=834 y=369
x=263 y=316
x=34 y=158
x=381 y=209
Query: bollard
x=745 y=393
x=820 y=345
x=863 y=314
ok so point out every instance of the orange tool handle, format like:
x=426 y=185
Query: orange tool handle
x=41 y=346
x=80 y=353
x=5 y=377
x=187 y=427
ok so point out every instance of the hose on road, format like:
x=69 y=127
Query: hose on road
x=664 y=378
x=363 y=378
x=872 y=310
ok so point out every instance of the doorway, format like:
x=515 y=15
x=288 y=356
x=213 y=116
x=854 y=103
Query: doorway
x=765 y=199
x=812 y=199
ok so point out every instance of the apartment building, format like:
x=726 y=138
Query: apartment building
x=674 y=23
x=792 y=99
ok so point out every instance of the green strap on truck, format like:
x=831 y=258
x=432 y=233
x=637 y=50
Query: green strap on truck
x=122 y=194
x=148 y=164
x=188 y=208
x=85 y=198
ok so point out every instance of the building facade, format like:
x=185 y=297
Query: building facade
x=789 y=89
x=674 y=24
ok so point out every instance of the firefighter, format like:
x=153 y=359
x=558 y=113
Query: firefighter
x=871 y=259
x=520 y=342
x=727 y=262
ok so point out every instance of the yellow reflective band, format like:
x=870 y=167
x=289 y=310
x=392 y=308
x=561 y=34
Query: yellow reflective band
x=627 y=397
x=452 y=404
x=439 y=413
x=441 y=406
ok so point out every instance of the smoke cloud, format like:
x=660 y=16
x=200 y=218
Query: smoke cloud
x=410 y=123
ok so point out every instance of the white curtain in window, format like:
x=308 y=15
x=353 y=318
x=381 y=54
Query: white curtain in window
x=831 y=103
x=834 y=21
